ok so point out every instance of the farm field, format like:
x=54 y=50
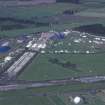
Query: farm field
x=19 y=16
x=98 y=13
x=25 y=20
x=32 y=11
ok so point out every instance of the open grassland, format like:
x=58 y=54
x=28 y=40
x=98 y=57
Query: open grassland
x=20 y=15
x=42 y=69
x=93 y=3
x=38 y=10
x=98 y=13
x=44 y=14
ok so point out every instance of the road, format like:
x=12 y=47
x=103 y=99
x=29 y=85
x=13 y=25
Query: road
x=22 y=84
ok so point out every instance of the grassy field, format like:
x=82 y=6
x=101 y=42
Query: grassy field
x=32 y=11
x=29 y=13
x=98 y=13
x=42 y=69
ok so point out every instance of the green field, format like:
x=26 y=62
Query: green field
x=98 y=13
x=41 y=69
x=37 y=10
x=29 y=13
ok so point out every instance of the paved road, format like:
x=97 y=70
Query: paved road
x=16 y=85
x=31 y=84
x=91 y=79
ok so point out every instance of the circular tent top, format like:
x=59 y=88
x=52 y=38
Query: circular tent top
x=77 y=100
x=8 y=58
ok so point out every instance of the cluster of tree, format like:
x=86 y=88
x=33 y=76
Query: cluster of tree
x=67 y=64
x=97 y=29
x=14 y=23
x=70 y=12
x=69 y=1
x=11 y=27
x=22 y=21
x=38 y=24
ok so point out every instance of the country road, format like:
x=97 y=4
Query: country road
x=22 y=84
